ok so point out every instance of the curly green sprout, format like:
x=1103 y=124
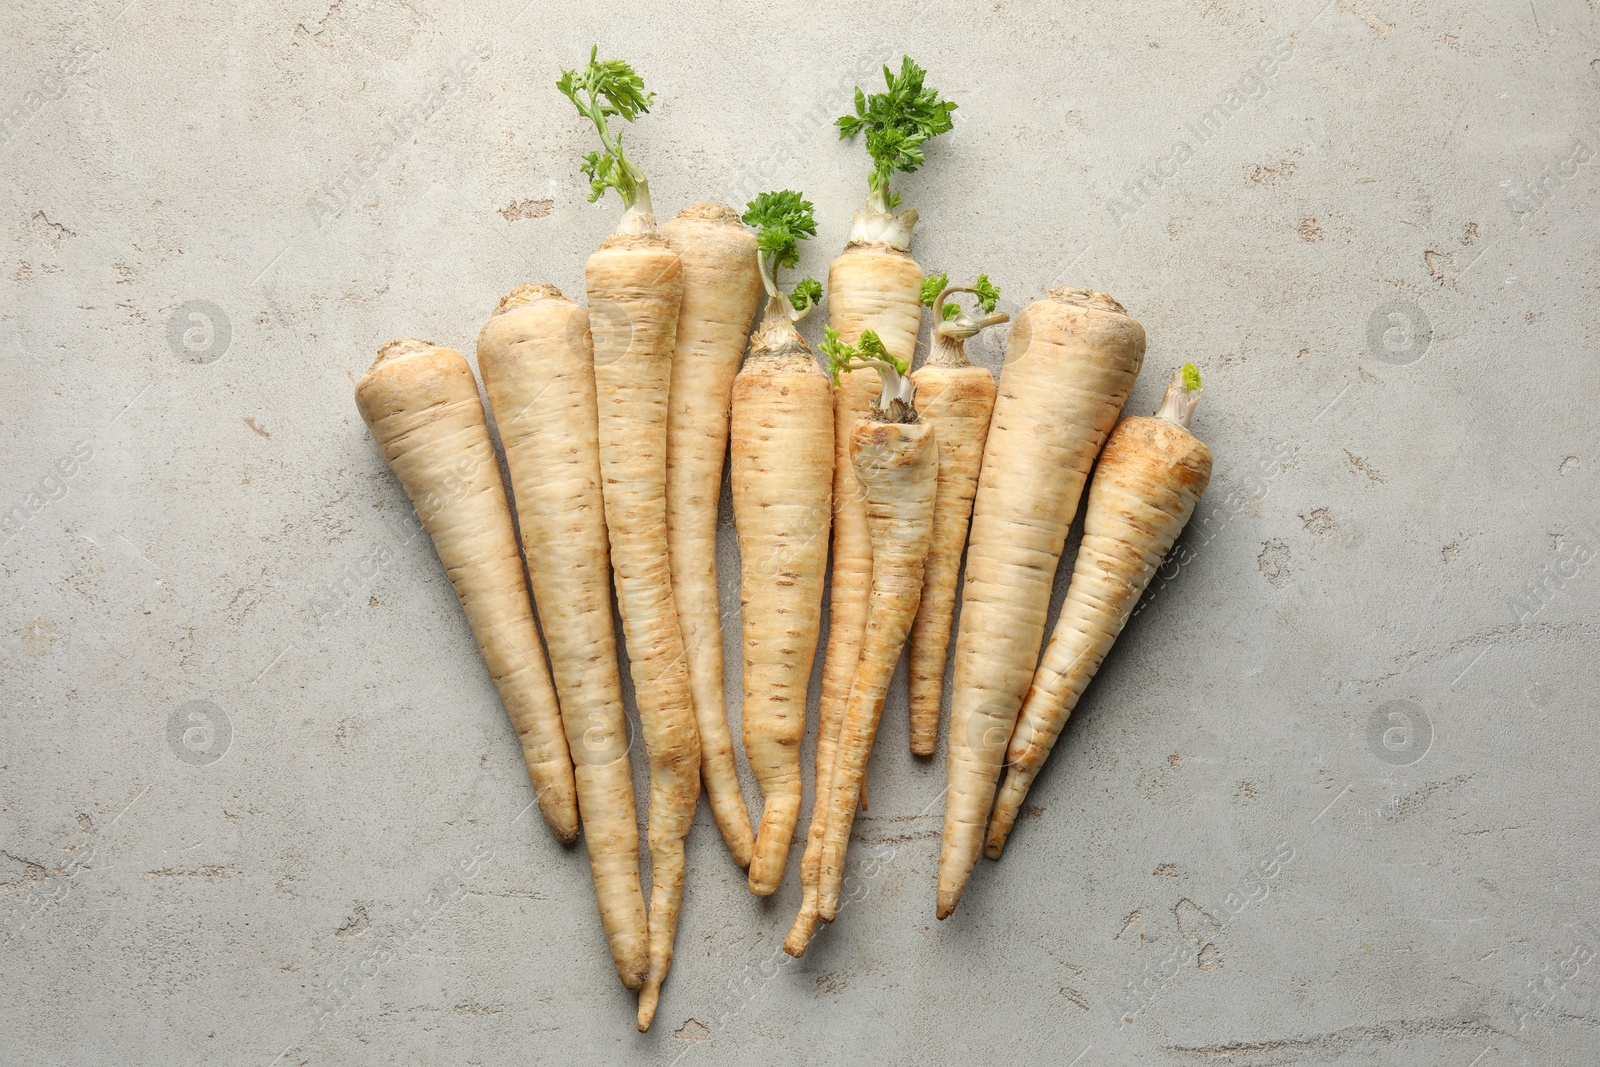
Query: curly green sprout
x=869 y=353
x=952 y=324
x=605 y=90
x=935 y=286
x=897 y=123
x=782 y=220
x=1191 y=378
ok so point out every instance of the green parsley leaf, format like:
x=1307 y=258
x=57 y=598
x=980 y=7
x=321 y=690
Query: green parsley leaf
x=897 y=122
x=986 y=293
x=604 y=90
x=807 y=293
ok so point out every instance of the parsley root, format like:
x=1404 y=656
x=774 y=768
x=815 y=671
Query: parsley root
x=896 y=460
x=1070 y=360
x=873 y=285
x=635 y=285
x=538 y=369
x=721 y=285
x=1146 y=486
x=957 y=398
x=421 y=404
x=782 y=483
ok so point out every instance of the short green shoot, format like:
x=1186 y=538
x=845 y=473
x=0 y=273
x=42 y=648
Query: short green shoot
x=1191 y=378
x=950 y=320
x=606 y=90
x=782 y=220
x=869 y=353
x=897 y=123
x=1182 y=396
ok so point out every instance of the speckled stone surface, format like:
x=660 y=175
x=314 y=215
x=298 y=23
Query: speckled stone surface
x=1331 y=799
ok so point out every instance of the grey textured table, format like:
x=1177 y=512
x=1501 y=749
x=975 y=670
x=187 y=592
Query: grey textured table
x=1331 y=799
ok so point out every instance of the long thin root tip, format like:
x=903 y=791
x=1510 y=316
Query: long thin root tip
x=996 y=842
x=648 y=999
x=800 y=934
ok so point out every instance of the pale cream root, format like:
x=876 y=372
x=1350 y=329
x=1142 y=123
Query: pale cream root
x=1071 y=359
x=721 y=287
x=538 y=370
x=421 y=404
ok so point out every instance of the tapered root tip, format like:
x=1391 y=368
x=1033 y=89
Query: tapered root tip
x=947 y=903
x=741 y=844
x=766 y=868
x=649 y=997
x=560 y=815
x=1000 y=824
x=1008 y=804
x=800 y=934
